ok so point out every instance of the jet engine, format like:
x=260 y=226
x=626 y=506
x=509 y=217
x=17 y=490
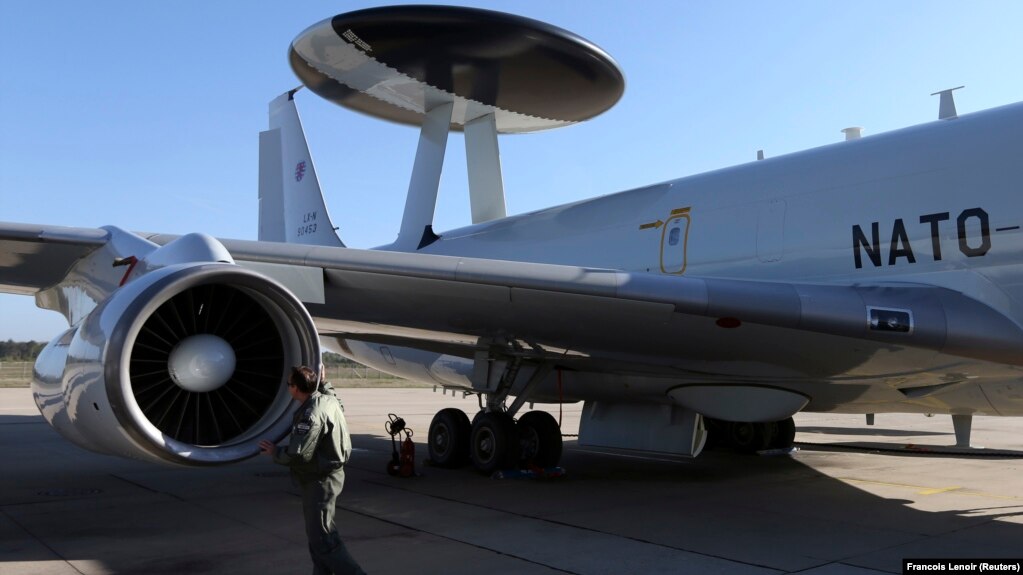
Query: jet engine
x=185 y=364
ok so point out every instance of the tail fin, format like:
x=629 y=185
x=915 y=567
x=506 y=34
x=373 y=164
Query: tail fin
x=291 y=206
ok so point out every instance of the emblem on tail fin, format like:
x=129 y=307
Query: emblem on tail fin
x=299 y=171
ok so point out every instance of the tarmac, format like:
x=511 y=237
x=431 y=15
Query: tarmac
x=853 y=499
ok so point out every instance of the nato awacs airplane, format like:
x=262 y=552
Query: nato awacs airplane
x=881 y=274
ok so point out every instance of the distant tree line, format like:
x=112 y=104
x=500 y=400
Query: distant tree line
x=11 y=350
x=331 y=359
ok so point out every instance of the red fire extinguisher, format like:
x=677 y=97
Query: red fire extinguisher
x=402 y=464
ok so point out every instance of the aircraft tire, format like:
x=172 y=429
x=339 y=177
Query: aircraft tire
x=785 y=435
x=750 y=437
x=539 y=439
x=448 y=439
x=494 y=442
x=718 y=433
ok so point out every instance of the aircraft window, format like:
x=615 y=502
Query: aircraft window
x=673 y=236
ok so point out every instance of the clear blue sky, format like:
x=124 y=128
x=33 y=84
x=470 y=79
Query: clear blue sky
x=145 y=115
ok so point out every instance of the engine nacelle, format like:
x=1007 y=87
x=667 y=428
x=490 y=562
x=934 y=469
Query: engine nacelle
x=185 y=364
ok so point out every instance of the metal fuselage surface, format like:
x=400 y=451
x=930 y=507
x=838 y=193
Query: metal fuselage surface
x=937 y=204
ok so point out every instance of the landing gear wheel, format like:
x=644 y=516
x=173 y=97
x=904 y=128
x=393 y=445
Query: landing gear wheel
x=448 y=439
x=750 y=437
x=539 y=439
x=717 y=433
x=785 y=435
x=494 y=443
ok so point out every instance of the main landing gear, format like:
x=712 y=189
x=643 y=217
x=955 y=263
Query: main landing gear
x=494 y=441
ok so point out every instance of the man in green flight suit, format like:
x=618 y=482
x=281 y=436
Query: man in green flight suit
x=316 y=455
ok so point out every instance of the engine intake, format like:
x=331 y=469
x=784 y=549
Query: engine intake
x=185 y=364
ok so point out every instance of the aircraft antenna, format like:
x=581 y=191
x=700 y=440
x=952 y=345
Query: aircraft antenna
x=853 y=133
x=947 y=104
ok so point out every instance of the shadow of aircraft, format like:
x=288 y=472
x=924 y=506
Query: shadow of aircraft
x=63 y=507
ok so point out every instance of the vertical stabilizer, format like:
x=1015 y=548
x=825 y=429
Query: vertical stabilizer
x=291 y=206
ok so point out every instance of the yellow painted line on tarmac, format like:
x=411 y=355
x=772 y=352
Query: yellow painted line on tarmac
x=937 y=490
x=883 y=483
x=920 y=489
x=924 y=490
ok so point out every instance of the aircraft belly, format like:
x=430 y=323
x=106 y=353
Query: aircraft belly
x=836 y=374
x=596 y=379
x=1005 y=394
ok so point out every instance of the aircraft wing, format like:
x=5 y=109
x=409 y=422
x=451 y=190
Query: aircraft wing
x=36 y=257
x=454 y=301
x=588 y=310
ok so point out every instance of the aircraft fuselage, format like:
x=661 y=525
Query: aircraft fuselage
x=911 y=205
x=936 y=204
